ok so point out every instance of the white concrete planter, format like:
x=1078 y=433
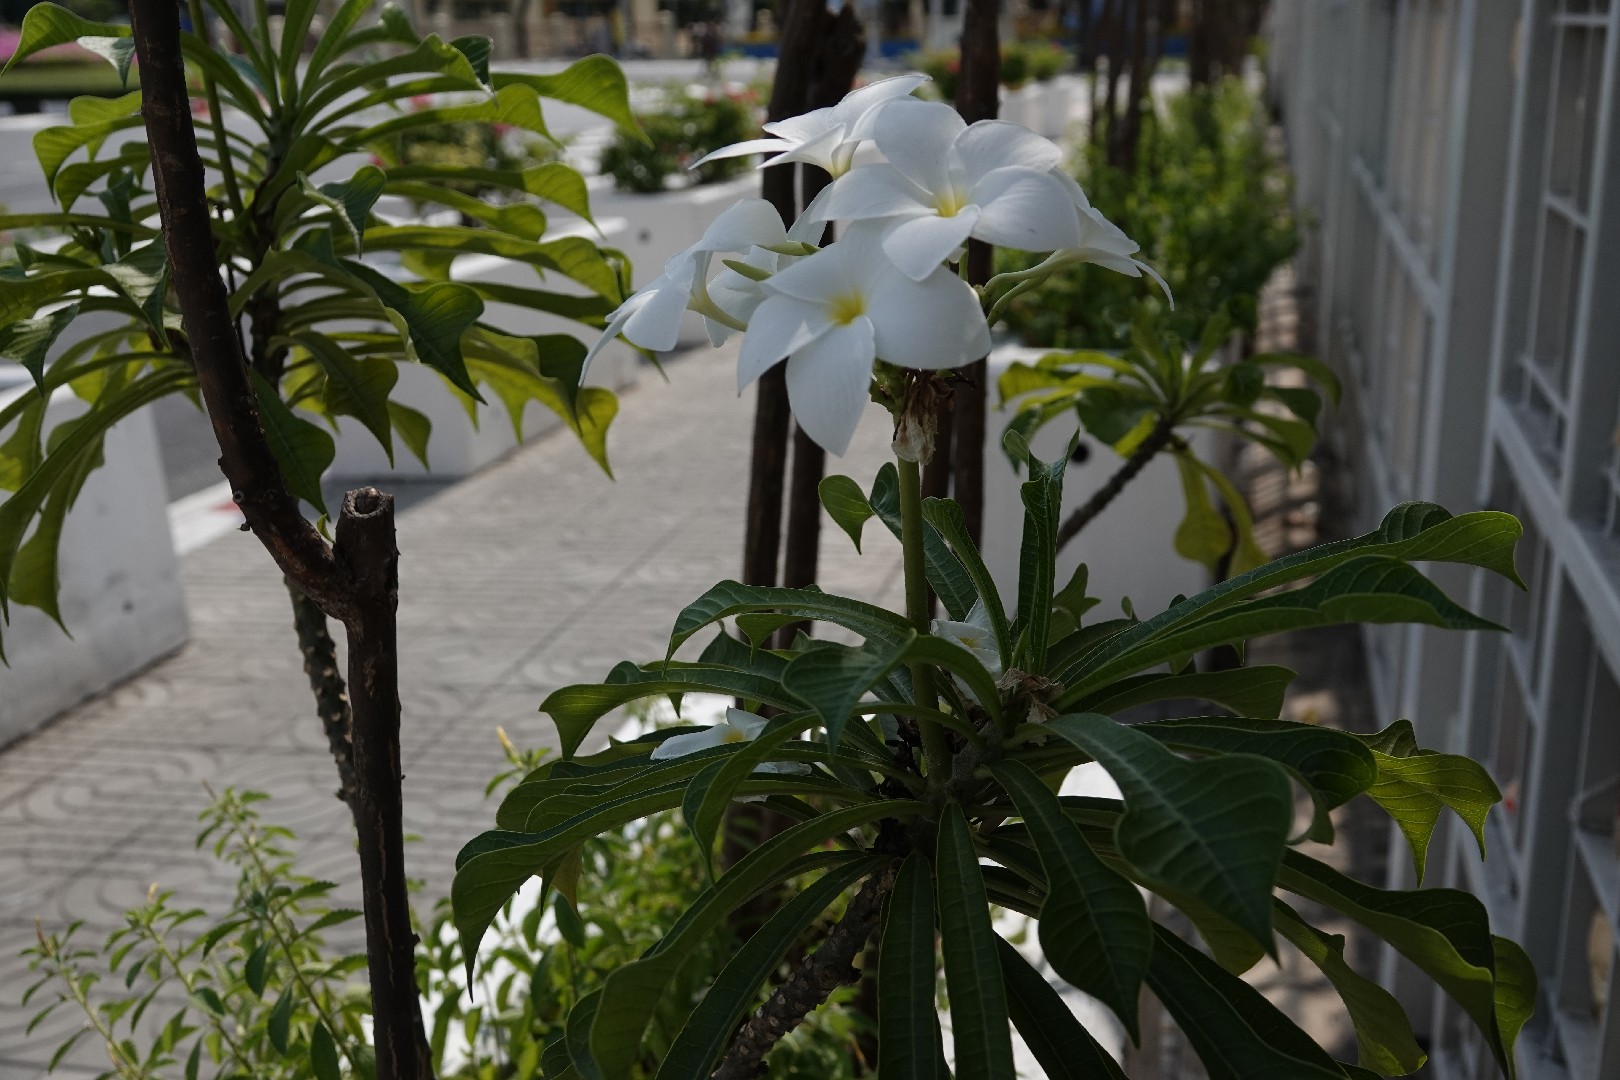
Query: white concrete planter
x=1022 y=106
x=1057 y=100
x=121 y=597
x=1129 y=546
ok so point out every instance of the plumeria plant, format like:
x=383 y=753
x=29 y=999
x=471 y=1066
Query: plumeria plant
x=920 y=766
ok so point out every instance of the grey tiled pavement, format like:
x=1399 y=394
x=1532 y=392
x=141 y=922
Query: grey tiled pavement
x=536 y=572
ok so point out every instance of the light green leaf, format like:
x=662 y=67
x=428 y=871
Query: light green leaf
x=708 y=1030
x=1094 y=928
x=351 y=200
x=301 y=448
x=595 y=83
x=1414 y=784
x=1214 y=829
x=1384 y=1039
x=908 y=975
x=47 y=24
x=1064 y=1049
x=1071 y=603
x=846 y=504
x=1203 y=535
x=413 y=427
x=972 y=966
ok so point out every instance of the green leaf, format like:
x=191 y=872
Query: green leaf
x=1071 y=603
x=1237 y=1033
x=846 y=504
x=1213 y=829
x=413 y=427
x=28 y=341
x=1367 y=589
x=972 y=967
x=595 y=83
x=946 y=518
x=569 y=924
x=1094 y=928
x=1064 y=1049
x=1515 y=991
x=47 y=24
x=355 y=386
x=430 y=320
x=1310 y=365
x=1414 y=784
x=323 y=1055
x=833 y=678
x=301 y=448
x=1203 y=535
x=1444 y=932
x=733 y=598
x=1414 y=532
x=351 y=200
x=1249 y=691
x=253 y=971
x=708 y=1030
x=576 y=709
x=908 y=975
x=1042 y=495
x=1384 y=1039
x=945 y=572
x=578 y=1035
x=711 y=791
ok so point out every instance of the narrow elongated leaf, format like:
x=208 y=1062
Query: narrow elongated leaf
x=946 y=518
x=707 y=1031
x=1062 y=1046
x=1384 y=1039
x=733 y=598
x=945 y=572
x=908 y=976
x=1213 y=829
x=1042 y=496
x=846 y=504
x=832 y=679
x=1444 y=932
x=576 y=709
x=302 y=449
x=1238 y=1034
x=972 y=966
x=1333 y=764
x=280 y=1021
x=1094 y=928
x=709 y=794
x=1414 y=532
x=1249 y=691
x=1414 y=784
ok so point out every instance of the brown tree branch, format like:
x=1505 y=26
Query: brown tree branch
x=1145 y=451
x=817 y=976
x=356 y=582
x=326 y=683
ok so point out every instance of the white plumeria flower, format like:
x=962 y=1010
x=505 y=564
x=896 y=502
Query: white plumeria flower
x=739 y=295
x=1102 y=242
x=975 y=635
x=651 y=319
x=834 y=312
x=826 y=137
x=739 y=727
x=946 y=181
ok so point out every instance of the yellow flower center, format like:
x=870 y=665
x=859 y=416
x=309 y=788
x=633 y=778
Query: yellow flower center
x=971 y=641
x=847 y=308
x=950 y=203
x=734 y=735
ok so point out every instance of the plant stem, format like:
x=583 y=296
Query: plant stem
x=936 y=753
x=817 y=976
x=326 y=683
x=1145 y=451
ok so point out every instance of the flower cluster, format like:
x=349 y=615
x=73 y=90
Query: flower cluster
x=887 y=289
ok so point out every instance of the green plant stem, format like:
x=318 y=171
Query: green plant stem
x=190 y=983
x=65 y=971
x=216 y=118
x=936 y=753
x=1145 y=451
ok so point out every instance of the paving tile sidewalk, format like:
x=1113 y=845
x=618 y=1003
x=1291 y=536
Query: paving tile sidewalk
x=536 y=572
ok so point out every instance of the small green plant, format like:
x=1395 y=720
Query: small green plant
x=1047 y=60
x=690 y=125
x=1210 y=205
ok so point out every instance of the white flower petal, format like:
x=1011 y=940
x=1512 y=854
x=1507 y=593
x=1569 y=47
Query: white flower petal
x=829 y=382
x=979 y=615
x=792 y=768
x=917 y=137
x=998 y=144
x=830 y=272
x=780 y=325
x=860 y=108
x=1154 y=274
x=812 y=219
x=690 y=743
x=615 y=326
x=805 y=126
x=750 y=724
x=1025 y=210
x=930 y=324
x=749 y=223
x=656 y=323
x=873 y=192
x=919 y=245
x=742 y=149
x=822 y=151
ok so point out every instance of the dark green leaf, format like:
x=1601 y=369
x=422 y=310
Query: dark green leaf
x=832 y=679
x=356 y=386
x=28 y=341
x=946 y=518
x=253 y=971
x=1094 y=927
x=846 y=504
x=1064 y=1049
x=972 y=967
x=302 y=449
x=1213 y=829
x=908 y=976
x=946 y=574
x=351 y=200
x=1042 y=495
x=733 y=598
x=1250 y=691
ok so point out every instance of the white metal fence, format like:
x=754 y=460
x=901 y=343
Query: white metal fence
x=1459 y=162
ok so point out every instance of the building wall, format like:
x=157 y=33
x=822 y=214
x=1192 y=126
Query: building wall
x=1457 y=159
